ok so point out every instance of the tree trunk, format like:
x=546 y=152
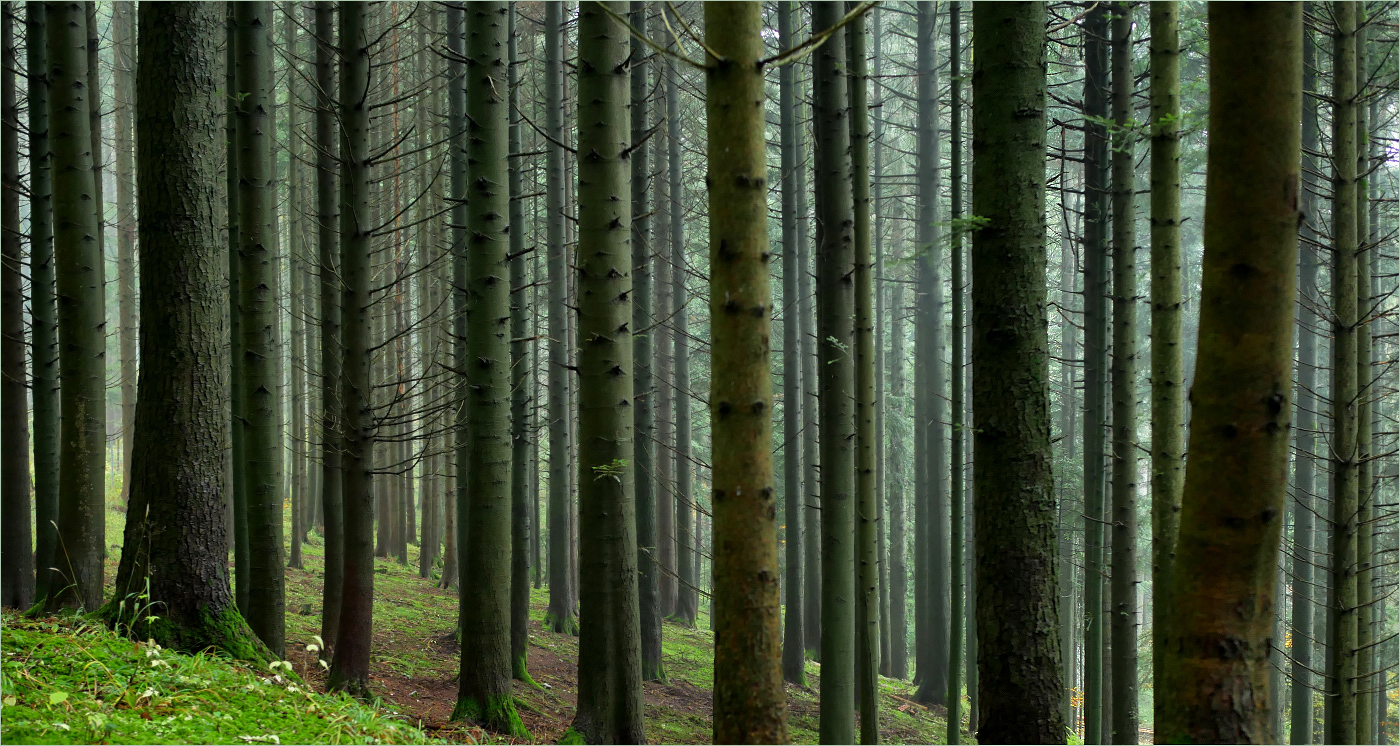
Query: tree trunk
x=124 y=71
x=560 y=615
x=298 y=310
x=898 y=479
x=78 y=576
x=867 y=510
x=956 y=528
x=236 y=420
x=881 y=320
x=794 y=662
x=749 y=700
x=350 y=666
x=1365 y=403
x=644 y=396
x=1096 y=163
x=484 y=695
x=1124 y=621
x=520 y=388
x=43 y=333
x=836 y=342
x=332 y=341
x=175 y=545
x=1236 y=470
x=1305 y=556
x=1341 y=671
x=16 y=561
x=1017 y=602
x=1168 y=434
x=610 y=706
x=811 y=415
x=687 y=599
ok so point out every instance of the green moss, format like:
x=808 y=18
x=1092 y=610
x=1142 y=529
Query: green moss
x=562 y=625
x=226 y=632
x=521 y=672
x=572 y=736
x=498 y=715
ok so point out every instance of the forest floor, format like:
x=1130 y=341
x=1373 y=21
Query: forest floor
x=415 y=659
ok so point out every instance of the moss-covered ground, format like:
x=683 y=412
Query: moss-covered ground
x=206 y=699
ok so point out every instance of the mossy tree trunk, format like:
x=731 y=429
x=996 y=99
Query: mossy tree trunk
x=794 y=661
x=78 y=574
x=610 y=706
x=350 y=665
x=836 y=351
x=1222 y=595
x=1014 y=500
x=175 y=546
x=484 y=694
x=749 y=699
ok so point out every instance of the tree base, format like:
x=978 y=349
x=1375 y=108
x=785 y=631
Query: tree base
x=655 y=672
x=572 y=736
x=497 y=715
x=561 y=624
x=521 y=672
x=226 y=632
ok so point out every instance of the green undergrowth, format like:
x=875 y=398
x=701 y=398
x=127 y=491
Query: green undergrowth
x=72 y=680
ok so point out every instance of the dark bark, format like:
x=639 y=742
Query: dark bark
x=1018 y=654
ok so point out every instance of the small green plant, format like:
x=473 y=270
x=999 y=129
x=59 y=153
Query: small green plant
x=615 y=470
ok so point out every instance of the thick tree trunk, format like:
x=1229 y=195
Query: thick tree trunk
x=560 y=615
x=43 y=329
x=350 y=666
x=749 y=699
x=610 y=706
x=484 y=694
x=78 y=575
x=175 y=546
x=1017 y=603
x=1124 y=620
x=1222 y=593
x=17 y=559
x=794 y=661
x=836 y=344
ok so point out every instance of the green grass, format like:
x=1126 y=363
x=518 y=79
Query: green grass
x=68 y=680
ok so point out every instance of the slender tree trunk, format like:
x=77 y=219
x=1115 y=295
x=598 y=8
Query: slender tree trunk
x=836 y=342
x=956 y=529
x=1124 y=620
x=17 y=559
x=664 y=347
x=78 y=574
x=43 y=330
x=610 y=672
x=1305 y=556
x=1366 y=392
x=811 y=414
x=259 y=305
x=899 y=570
x=560 y=616
x=328 y=252
x=175 y=546
x=1168 y=435
x=881 y=320
x=1231 y=519
x=1341 y=670
x=124 y=72
x=867 y=599
x=1096 y=155
x=749 y=700
x=519 y=387
x=236 y=420
x=644 y=389
x=687 y=566
x=794 y=663
x=350 y=666
x=484 y=695
x=461 y=451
